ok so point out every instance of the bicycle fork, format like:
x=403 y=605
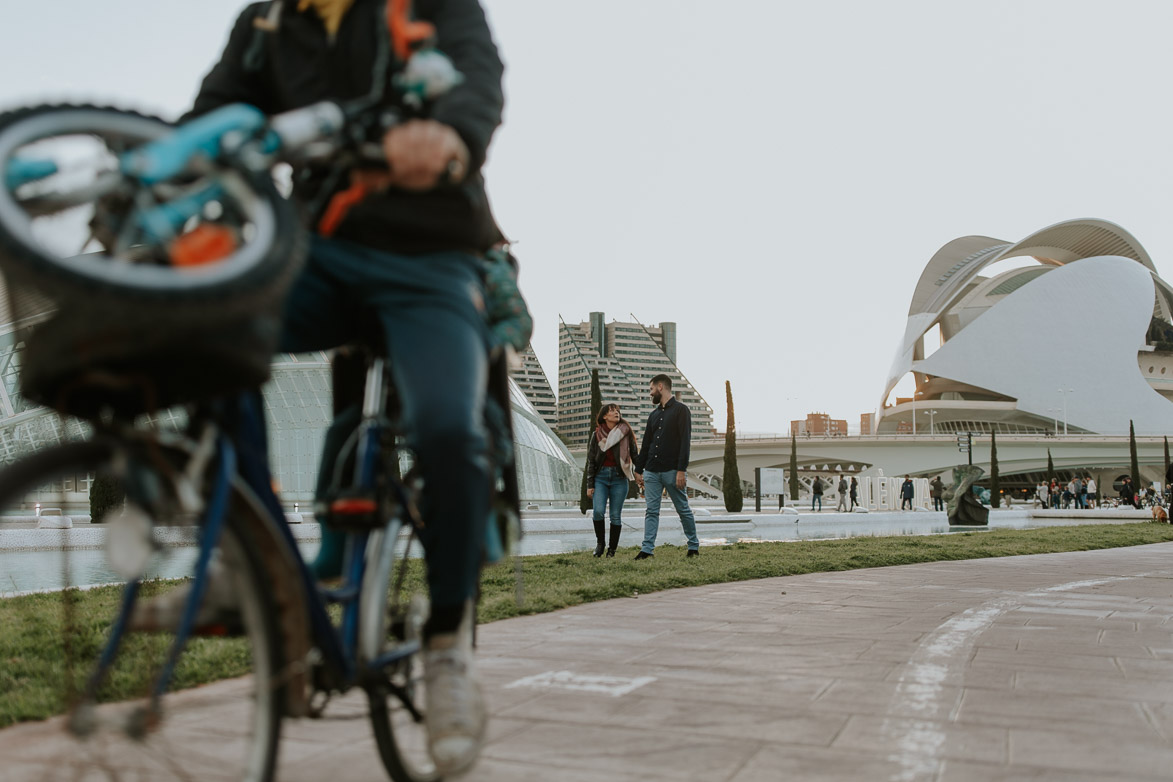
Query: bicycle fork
x=83 y=719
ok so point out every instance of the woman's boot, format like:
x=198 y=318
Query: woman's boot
x=600 y=539
x=614 y=542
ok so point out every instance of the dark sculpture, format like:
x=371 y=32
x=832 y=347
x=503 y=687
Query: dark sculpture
x=961 y=506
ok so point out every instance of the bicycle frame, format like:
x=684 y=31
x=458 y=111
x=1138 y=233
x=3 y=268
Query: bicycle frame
x=346 y=658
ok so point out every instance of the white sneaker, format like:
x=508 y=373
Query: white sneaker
x=220 y=606
x=455 y=714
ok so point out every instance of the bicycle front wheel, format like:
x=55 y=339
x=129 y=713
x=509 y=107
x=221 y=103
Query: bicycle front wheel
x=60 y=599
x=394 y=610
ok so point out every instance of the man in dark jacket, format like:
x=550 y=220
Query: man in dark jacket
x=403 y=260
x=907 y=491
x=937 y=491
x=662 y=464
x=817 y=493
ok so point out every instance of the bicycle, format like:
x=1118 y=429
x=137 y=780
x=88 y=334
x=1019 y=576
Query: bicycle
x=172 y=298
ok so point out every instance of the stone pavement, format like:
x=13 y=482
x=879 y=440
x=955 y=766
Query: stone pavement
x=1047 y=667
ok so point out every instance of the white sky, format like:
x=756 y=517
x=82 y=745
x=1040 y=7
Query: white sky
x=772 y=175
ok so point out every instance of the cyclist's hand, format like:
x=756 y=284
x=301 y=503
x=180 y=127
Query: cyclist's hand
x=590 y=492
x=422 y=152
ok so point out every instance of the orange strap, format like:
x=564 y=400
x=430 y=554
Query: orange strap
x=406 y=33
x=339 y=205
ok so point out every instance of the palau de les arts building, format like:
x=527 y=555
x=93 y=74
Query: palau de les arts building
x=1082 y=335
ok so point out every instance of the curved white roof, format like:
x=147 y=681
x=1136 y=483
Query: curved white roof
x=1037 y=313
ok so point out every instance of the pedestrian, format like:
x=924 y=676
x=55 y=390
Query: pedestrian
x=662 y=463
x=1091 y=491
x=1053 y=493
x=937 y=492
x=1078 y=491
x=610 y=465
x=854 y=492
x=842 y=489
x=1126 y=492
x=1041 y=495
x=906 y=493
x=817 y=494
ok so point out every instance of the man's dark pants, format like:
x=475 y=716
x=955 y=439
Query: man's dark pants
x=428 y=311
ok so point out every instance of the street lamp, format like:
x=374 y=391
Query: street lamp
x=1064 y=394
x=1055 y=416
x=932 y=426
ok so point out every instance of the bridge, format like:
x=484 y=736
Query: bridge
x=1104 y=456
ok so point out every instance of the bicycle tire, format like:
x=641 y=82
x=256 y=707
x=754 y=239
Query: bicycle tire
x=193 y=717
x=255 y=277
x=399 y=736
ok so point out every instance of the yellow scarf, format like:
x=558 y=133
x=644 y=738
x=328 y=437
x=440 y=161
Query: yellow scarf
x=331 y=12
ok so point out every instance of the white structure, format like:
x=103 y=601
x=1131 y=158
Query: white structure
x=1080 y=340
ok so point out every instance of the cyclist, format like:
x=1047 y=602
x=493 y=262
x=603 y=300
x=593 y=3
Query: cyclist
x=405 y=257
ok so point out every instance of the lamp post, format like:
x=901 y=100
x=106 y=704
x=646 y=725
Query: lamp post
x=1063 y=393
x=914 y=413
x=1055 y=416
x=932 y=419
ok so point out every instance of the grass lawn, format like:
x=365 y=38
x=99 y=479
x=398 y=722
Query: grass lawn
x=34 y=668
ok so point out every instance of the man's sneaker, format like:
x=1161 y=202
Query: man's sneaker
x=644 y=555
x=219 y=613
x=692 y=553
x=455 y=714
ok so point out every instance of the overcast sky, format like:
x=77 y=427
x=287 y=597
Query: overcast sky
x=770 y=175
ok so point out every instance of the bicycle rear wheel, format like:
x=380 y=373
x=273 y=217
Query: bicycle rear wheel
x=394 y=609
x=60 y=596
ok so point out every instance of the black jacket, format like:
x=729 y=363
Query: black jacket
x=596 y=455
x=667 y=439
x=296 y=66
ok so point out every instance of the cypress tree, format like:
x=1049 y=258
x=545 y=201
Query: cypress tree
x=793 y=469
x=995 y=484
x=1132 y=458
x=1050 y=467
x=106 y=494
x=585 y=503
x=730 y=479
x=1166 y=473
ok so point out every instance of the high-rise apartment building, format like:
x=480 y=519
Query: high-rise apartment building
x=532 y=380
x=819 y=424
x=628 y=356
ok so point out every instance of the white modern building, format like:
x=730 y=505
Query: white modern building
x=1074 y=335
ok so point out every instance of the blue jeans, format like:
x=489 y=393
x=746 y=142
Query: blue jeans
x=426 y=311
x=654 y=484
x=610 y=484
x=816 y=498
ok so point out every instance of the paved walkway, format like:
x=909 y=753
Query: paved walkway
x=1050 y=667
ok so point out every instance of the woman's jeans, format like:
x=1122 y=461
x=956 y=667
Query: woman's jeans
x=427 y=311
x=610 y=484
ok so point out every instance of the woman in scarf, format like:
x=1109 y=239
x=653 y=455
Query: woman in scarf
x=609 y=467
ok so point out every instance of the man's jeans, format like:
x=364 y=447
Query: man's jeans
x=610 y=484
x=654 y=484
x=427 y=310
x=938 y=503
x=816 y=498
x=842 y=502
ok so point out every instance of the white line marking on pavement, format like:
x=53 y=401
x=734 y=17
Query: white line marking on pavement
x=919 y=740
x=614 y=686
